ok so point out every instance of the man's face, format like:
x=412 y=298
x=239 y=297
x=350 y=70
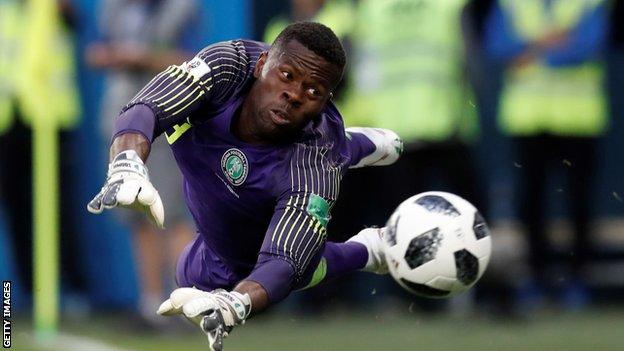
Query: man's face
x=292 y=87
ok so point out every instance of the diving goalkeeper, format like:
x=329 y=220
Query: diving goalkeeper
x=262 y=150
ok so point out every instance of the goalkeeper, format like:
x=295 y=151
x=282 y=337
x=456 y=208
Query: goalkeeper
x=262 y=150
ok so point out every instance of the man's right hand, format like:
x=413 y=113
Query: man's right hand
x=128 y=185
x=216 y=312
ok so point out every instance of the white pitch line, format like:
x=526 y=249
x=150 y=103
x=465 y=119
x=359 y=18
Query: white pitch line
x=70 y=342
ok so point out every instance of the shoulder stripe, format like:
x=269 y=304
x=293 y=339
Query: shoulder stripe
x=175 y=74
x=182 y=85
x=196 y=93
x=160 y=79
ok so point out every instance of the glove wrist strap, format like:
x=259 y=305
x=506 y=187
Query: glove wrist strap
x=240 y=304
x=246 y=301
x=128 y=161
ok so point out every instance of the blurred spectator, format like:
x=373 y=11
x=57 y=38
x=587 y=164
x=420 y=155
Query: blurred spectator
x=408 y=76
x=336 y=14
x=413 y=81
x=553 y=106
x=37 y=84
x=141 y=38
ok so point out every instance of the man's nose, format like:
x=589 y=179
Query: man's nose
x=294 y=95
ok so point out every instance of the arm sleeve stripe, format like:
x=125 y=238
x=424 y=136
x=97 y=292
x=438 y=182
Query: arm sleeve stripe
x=293 y=162
x=311 y=168
x=316 y=168
x=337 y=182
x=301 y=241
x=330 y=173
x=182 y=83
x=318 y=240
x=243 y=64
x=222 y=49
x=303 y=228
x=292 y=182
x=292 y=175
x=209 y=79
x=217 y=73
x=292 y=186
x=235 y=74
x=325 y=189
x=280 y=221
x=187 y=105
x=154 y=93
x=305 y=177
x=299 y=234
x=331 y=205
x=193 y=93
x=235 y=56
x=292 y=212
x=161 y=76
x=292 y=226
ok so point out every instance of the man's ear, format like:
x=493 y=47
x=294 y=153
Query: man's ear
x=260 y=64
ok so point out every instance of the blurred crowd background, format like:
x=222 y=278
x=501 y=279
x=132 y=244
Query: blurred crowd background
x=518 y=106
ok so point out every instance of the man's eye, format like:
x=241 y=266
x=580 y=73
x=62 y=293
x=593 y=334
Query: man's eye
x=314 y=92
x=286 y=75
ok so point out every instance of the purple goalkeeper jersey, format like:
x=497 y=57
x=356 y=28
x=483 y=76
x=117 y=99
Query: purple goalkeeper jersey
x=251 y=204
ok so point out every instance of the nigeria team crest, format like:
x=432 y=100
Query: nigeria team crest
x=234 y=166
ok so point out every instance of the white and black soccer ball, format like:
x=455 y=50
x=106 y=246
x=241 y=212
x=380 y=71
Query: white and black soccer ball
x=436 y=244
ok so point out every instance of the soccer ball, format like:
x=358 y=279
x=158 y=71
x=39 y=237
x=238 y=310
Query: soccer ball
x=436 y=244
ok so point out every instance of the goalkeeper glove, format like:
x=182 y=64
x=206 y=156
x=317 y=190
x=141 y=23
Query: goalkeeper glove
x=216 y=312
x=388 y=146
x=127 y=185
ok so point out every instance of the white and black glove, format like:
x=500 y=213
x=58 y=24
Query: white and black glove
x=216 y=312
x=127 y=185
x=388 y=146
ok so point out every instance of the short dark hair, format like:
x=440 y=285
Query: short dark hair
x=317 y=38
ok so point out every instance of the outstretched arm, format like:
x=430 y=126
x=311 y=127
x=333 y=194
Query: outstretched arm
x=127 y=183
x=308 y=189
x=298 y=228
x=296 y=233
x=172 y=96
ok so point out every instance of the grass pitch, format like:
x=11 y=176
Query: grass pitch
x=591 y=331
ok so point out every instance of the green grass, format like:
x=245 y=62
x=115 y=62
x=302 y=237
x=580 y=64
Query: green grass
x=592 y=331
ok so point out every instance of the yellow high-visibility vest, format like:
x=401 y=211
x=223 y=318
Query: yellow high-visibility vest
x=408 y=73
x=566 y=101
x=37 y=68
x=335 y=14
x=10 y=20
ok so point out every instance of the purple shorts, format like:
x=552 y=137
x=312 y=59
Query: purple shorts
x=200 y=267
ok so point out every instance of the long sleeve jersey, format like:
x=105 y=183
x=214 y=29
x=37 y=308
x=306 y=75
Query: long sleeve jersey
x=261 y=209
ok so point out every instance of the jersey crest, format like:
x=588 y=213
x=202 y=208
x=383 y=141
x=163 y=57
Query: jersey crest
x=235 y=166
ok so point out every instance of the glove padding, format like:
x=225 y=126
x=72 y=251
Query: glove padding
x=127 y=185
x=194 y=304
x=388 y=146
